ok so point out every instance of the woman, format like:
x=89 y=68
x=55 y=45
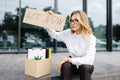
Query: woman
x=80 y=43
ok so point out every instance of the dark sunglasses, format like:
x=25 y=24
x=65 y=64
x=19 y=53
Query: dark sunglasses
x=73 y=21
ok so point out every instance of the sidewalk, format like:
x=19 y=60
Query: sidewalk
x=107 y=66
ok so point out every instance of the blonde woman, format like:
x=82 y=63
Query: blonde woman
x=80 y=43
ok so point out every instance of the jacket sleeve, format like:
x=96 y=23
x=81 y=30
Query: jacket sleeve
x=89 y=53
x=60 y=36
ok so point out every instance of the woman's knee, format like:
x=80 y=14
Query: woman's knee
x=87 y=68
x=66 y=65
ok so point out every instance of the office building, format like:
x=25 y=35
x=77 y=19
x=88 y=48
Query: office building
x=16 y=36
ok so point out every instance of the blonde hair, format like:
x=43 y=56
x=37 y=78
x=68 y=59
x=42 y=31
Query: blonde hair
x=83 y=20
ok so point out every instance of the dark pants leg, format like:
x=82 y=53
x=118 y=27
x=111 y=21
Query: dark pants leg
x=86 y=71
x=68 y=69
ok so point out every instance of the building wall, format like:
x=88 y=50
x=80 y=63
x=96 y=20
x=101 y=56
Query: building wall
x=33 y=36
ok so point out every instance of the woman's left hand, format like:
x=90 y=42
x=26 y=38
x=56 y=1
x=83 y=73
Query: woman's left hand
x=63 y=61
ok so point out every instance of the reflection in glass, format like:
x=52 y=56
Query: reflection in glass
x=97 y=17
x=116 y=24
x=8 y=25
x=33 y=36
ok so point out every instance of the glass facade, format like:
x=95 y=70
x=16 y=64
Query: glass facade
x=8 y=25
x=97 y=16
x=34 y=36
x=116 y=24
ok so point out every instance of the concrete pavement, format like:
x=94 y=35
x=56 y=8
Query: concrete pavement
x=107 y=67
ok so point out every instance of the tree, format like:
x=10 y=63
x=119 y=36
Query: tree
x=4 y=37
x=67 y=23
x=91 y=24
x=9 y=26
x=100 y=31
x=116 y=32
x=10 y=21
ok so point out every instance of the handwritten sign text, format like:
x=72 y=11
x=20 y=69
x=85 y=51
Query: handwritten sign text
x=43 y=19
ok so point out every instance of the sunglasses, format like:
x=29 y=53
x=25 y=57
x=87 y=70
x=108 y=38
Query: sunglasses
x=74 y=21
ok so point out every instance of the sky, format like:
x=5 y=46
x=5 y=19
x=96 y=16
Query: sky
x=96 y=8
x=97 y=11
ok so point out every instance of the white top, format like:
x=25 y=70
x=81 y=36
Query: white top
x=81 y=50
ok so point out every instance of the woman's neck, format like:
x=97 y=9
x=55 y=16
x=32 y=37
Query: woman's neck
x=77 y=32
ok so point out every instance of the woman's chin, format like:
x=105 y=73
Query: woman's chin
x=73 y=29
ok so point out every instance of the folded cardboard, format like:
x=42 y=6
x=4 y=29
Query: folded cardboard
x=38 y=68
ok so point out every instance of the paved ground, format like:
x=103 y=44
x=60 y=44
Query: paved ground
x=107 y=67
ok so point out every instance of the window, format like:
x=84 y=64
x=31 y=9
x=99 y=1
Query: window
x=97 y=17
x=31 y=35
x=8 y=25
x=116 y=24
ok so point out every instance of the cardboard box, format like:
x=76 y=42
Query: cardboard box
x=38 y=68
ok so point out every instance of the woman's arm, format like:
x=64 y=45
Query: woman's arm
x=53 y=33
x=57 y=35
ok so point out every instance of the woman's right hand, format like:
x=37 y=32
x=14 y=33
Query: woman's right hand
x=63 y=61
x=50 y=12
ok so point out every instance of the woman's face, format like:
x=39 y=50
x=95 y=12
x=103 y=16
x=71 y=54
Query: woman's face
x=75 y=24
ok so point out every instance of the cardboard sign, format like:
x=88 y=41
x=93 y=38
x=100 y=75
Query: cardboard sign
x=43 y=19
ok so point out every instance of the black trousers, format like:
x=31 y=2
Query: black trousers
x=68 y=69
